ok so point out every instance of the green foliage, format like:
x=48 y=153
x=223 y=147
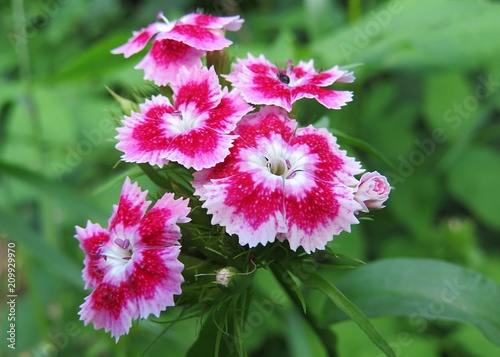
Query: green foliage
x=425 y=114
x=422 y=290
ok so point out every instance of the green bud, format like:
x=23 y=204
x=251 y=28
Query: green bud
x=127 y=106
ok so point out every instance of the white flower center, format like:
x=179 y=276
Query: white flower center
x=280 y=167
x=118 y=253
x=184 y=120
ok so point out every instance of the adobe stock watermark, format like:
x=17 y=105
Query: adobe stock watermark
x=427 y=313
x=48 y=10
x=454 y=117
x=75 y=154
x=364 y=33
x=58 y=341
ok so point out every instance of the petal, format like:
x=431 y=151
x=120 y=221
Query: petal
x=139 y=39
x=230 y=110
x=306 y=72
x=314 y=214
x=155 y=279
x=146 y=137
x=267 y=122
x=331 y=164
x=199 y=148
x=257 y=80
x=196 y=90
x=131 y=207
x=156 y=107
x=249 y=205
x=92 y=239
x=231 y=23
x=196 y=37
x=166 y=58
x=264 y=89
x=112 y=307
x=331 y=99
x=159 y=227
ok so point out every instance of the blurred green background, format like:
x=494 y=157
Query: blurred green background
x=426 y=97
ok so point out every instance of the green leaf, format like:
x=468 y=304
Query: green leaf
x=402 y=34
x=289 y=284
x=96 y=61
x=315 y=280
x=64 y=194
x=363 y=145
x=473 y=180
x=423 y=290
x=444 y=92
x=39 y=250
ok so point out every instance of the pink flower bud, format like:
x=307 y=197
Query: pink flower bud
x=372 y=191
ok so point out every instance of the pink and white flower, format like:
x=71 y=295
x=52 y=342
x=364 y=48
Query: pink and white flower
x=261 y=82
x=372 y=191
x=194 y=131
x=178 y=43
x=280 y=181
x=132 y=265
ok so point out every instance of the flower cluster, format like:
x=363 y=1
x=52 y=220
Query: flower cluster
x=256 y=172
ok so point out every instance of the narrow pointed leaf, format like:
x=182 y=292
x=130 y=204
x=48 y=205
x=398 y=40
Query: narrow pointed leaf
x=424 y=290
x=315 y=280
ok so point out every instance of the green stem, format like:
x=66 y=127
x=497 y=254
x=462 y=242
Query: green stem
x=315 y=280
x=354 y=11
x=327 y=337
x=25 y=75
x=156 y=177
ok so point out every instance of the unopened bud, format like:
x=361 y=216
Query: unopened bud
x=225 y=277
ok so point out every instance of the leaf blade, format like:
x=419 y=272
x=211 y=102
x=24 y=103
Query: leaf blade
x=423 y=290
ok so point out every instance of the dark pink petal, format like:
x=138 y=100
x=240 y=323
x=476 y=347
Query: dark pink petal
x=199 y=148
x=265 y=123
x=166 y=58
x=230 y=110
x=260 y=82
x=146 y=137
x=317 y=213
x=231 y=23
x=111 y=306
x=305 y=73
x=251 y=209
x=257 y=80
x=196 y=37
x=155 y=279
x=139 y=39
x=196 y=90
x=158 y=228
x=332 y=163
x=228 y=167
x=131 y=208
x=265 y=89
x=329 y=98
x=156 y=107
x=92 y=239
x=252 y=128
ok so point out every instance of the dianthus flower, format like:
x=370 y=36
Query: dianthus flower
x=194 y=131
x=280 y=181
x=261 y=82
x=372 y=191
x=132 y=265
x=178 y=43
